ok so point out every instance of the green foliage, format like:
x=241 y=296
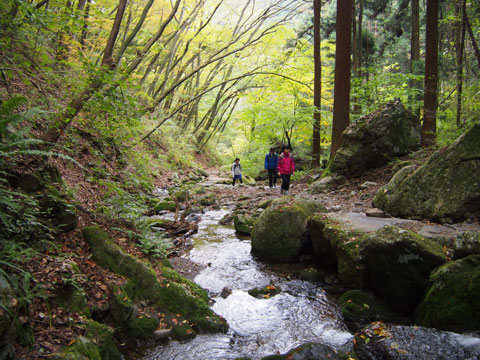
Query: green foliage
x=386 y=84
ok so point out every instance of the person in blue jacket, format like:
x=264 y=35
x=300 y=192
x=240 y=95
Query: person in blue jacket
x=271 y=161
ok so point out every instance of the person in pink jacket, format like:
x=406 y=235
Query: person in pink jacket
x=285 y=169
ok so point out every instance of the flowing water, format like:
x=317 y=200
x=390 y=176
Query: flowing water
x=258 y=327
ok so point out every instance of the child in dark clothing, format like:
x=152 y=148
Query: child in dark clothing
x=236 y=171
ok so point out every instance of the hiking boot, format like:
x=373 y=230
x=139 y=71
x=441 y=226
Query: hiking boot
x=285 y=192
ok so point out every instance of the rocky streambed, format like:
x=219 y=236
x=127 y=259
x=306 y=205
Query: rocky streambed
x=259 y=325
x=284 y=312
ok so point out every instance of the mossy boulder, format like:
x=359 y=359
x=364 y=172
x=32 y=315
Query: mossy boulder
x=265 y=203
x=243 y=223
x=174 y=293
x=446 y=188
x=451 y=302
x=467 y=243
x=399 y=263
x=375 y=139
x=102 y=336
x=82 y=349
x=164 y=206
x=279 y=233
x=335 y=245
x=360 y=308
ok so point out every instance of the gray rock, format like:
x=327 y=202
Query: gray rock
x=467 y=243
x=380 y=341
x=445 y=189
x=374 y=212
x=226 y=292
x=162 y=334
x=375 y=139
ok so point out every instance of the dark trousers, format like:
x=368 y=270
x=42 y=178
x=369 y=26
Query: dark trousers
x=237 y=177
x=285 y=181
x=272 y=177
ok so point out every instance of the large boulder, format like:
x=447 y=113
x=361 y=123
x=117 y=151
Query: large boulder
x=399 y=263
x=334 y=244
x=380 y=341
x=451 y=302
x=375 y=139
x=279 y=233
x=446 y=188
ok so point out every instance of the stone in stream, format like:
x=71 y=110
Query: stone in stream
x=243 y=223
x=375 y=139
x=279 y=232
x=380 y=341
x=446 y=188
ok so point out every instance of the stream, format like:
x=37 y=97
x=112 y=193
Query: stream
x=301 y=313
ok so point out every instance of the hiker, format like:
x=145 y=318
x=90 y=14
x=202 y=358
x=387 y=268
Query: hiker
x=236 y=171
x=285 y=168
x=271 y=160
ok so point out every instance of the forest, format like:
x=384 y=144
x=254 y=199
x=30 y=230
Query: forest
x=119 y=124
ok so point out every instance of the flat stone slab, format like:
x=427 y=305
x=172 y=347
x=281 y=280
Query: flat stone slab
x=359 y=221
x=362 y=222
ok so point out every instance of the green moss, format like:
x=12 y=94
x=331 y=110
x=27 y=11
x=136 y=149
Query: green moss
x=73 y=299
x=243 y=223
x=279 y=231
x=451 y=302
x=336 y=246
x=265 y=203
x=152 y=222
x=164 y=205
x=442 y=189
x=399 y=263
x=81 y=349
x=122 y=307
x=359 y=307
x=142 y=328
x=175 y=293
x=102 y=335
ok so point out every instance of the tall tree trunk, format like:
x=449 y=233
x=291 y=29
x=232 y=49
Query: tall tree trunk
x=460 y=45
x=472 y=38
x=415 y=53
x=430 y=98
x=317 y=83
x=341 y=101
